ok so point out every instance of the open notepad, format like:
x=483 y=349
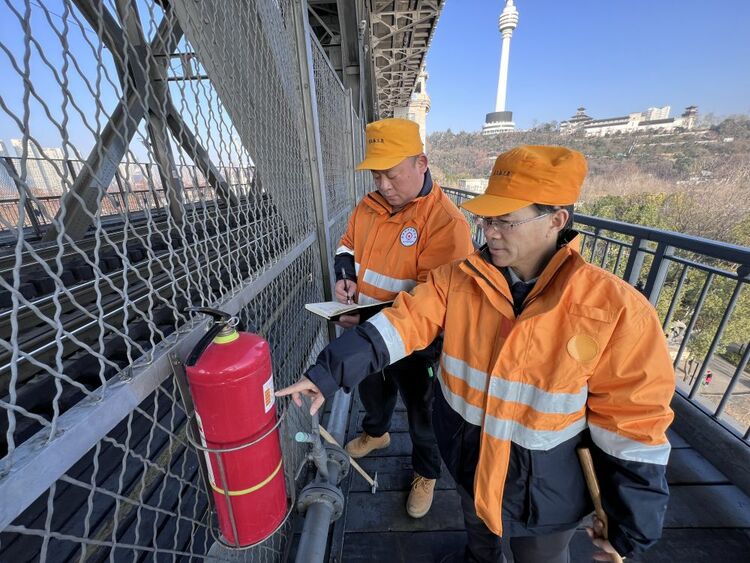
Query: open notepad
x=332 y=310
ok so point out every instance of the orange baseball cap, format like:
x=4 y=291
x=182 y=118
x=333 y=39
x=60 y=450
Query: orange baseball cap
x=389 y=141
x=549 y=175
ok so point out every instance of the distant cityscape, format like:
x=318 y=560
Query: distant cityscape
x=651 y=120
x=47 y=172
x=41 y=175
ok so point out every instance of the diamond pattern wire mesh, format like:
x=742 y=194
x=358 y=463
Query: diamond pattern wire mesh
x=335 y=134
x=152 y=159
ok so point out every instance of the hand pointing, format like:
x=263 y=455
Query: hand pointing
x=304 y=387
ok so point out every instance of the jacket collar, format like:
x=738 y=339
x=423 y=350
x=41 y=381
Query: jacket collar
x=426 y=185
x=380 y=205
x=490 y=280
x=495 y=286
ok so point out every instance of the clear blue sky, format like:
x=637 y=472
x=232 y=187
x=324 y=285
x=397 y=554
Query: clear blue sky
x=611 y=56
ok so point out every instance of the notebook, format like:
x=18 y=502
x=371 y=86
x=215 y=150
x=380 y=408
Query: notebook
x=332 y=310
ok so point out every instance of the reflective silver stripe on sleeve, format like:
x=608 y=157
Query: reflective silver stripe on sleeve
x=365 y=299
x=627 y=449
x=390 y=335
x=356 y=267
x=344 y=250
x=517 y=392
x=388 y=283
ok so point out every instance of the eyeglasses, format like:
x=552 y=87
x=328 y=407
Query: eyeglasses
x=499 y=225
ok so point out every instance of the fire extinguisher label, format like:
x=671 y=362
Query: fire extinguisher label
x=268 y=397
x=205 y=453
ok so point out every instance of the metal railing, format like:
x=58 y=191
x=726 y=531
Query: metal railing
x=203 y=187
x=697 y=288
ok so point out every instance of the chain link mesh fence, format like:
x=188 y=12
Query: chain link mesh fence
x=335 y=135
x=153 y=157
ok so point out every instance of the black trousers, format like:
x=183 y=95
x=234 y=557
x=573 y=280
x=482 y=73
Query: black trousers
x=485 y=547
x=379 y=392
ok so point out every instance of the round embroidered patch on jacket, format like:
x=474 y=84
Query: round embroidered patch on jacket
x=583 y=347
x=409 y=236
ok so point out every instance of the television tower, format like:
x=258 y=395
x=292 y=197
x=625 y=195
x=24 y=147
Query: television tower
x=502 y=120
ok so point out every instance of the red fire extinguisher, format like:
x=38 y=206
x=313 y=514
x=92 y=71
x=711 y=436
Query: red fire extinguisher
x=231 y=384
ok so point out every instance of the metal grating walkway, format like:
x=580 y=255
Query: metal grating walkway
x=707 y=514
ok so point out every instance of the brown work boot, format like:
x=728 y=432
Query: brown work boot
x=420 y=497
x=364 y=444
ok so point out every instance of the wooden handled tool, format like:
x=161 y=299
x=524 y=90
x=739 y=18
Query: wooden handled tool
x=331 y=440
x=587 y=464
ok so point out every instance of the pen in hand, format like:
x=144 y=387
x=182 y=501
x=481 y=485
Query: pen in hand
x=346 y=286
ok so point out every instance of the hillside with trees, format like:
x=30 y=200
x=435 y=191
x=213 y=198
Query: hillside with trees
x=695 y=182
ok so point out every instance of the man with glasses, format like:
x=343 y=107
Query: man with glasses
x=543 y=354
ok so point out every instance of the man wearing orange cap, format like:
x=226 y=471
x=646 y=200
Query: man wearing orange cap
x=395 y=236
x=543 y=353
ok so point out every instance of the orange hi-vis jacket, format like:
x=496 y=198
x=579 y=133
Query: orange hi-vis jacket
x=393 y=252
x=585 y=355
